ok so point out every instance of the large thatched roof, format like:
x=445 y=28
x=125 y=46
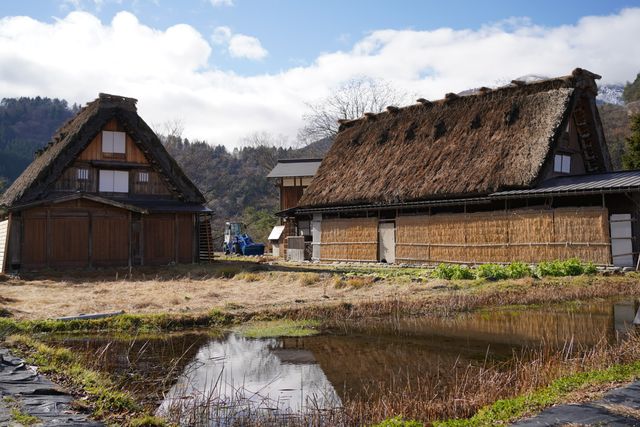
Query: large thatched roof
x=456 y=147
x=69 y=141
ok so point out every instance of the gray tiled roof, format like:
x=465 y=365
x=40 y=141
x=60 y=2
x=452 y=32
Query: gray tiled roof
x=295 y=167
x=581 y=183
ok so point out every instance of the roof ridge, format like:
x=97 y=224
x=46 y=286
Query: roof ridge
x=579 y=77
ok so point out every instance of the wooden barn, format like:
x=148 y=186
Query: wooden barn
x=103 y=192
x=520 y=172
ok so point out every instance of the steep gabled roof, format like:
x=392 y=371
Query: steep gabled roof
x=456 y=147
x=74 y=136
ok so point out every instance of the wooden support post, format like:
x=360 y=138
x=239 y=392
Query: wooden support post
x=90 y=239
x=48 y=238
x=130 y=241
x=175 y=238
x=141 y=238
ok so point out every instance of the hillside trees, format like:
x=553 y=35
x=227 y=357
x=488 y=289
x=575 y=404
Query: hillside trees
x=631 y=91
x=615 y=122
x=27 y=124
x=631 y=159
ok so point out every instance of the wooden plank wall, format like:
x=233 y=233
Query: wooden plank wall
x=110 y=239
x=82 y=233
x=519 y=235
x=290 y=196
x=94 y=149
x=349 y=239
x=159 y=239
x=167 y=238
x=185 y=233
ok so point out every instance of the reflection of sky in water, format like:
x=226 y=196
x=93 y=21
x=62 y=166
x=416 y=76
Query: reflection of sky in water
x=262 y=374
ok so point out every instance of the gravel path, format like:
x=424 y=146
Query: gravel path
x=23 y=389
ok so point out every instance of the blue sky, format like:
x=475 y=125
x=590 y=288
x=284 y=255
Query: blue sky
x=229 y=68
x=295 y=32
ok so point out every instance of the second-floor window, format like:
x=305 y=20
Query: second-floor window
x=143 y=176
x=114 y=143
x=114 y=181
x=562 y=163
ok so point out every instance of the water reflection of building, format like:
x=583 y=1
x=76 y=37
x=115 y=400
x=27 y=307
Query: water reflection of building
x=247 y=374
x=626 y=317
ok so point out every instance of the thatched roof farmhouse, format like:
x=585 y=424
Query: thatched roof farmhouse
x=520 y=172
x=104 y=191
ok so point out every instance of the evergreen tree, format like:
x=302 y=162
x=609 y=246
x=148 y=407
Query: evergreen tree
x=631 y=91
x=631 y=159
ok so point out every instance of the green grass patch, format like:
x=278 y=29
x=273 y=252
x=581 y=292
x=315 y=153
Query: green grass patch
x=398 y=422
x=105 y=397
x=147 y=421
x=23 y=418
x=507 y=410
x=143 y=323
x=280 y=328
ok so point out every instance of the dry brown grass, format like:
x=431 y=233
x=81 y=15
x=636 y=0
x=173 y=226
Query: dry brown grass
x=199 y=288
x=473 y=387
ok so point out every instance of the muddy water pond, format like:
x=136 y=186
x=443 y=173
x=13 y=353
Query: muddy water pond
x=350 y=360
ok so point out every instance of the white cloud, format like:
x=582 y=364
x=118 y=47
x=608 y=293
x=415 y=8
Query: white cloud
x=169 y=70
x=216 y=3
x=221 y=35
x=239 y=45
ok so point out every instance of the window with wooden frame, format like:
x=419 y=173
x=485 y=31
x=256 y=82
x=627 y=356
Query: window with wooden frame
x=112 y=181
x=562 y=163
x=143 y=177
x=114 y=144
x=82 y=174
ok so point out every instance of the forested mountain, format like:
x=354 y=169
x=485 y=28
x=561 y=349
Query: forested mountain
x=26 y=124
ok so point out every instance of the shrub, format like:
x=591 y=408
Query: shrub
x=492 y=272
x=570 y=267
x=518 y=270
x=452 y=272
x=590 y=268
x=462 y=272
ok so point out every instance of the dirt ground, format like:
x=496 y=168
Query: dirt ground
x=193 y=288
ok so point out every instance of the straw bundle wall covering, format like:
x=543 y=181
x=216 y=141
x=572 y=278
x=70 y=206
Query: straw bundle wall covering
x=352 y=239
x=520 y=235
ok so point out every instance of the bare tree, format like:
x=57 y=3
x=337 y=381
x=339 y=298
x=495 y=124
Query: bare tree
x=169 y=131
x=348 y=101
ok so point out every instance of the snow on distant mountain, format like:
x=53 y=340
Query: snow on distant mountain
x=530 y=78
x=610 y=94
